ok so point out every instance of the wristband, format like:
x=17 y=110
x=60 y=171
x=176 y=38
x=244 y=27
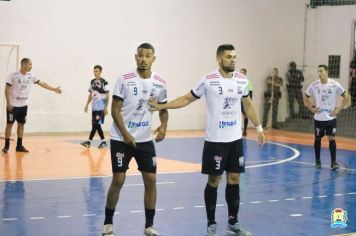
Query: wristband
x=259 y=128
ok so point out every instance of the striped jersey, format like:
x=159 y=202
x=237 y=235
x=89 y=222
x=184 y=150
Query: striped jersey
x=223 y=100
x=135 y=93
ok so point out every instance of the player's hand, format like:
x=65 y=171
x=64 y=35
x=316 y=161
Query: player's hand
x=335 y=112
x=129 y=140
x=58 y=90
x=9 y=107
x=316 y=110
x=161 y=133
x=86 y=109
x=154 y=105
x=261 y=138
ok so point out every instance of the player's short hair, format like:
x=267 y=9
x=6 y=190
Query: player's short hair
x=292 y=65
x=25 y=60
x=146 y=46
x=324 y=66
x=244 y=70
x=98 y=67
x=224 y=47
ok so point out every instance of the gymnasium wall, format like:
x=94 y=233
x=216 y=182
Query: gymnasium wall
x=66 y=38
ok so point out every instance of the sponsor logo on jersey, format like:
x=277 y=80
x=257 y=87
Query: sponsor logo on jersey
x=214 y=83
x=228 y=113
x=157 y=85
x=139 y=106
x=131 y=83
x=140 y=124
x=229 y=102
x=225 y=124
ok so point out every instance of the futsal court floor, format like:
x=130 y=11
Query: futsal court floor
x=60 y=187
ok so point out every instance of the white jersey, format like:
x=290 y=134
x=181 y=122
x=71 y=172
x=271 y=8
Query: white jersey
x=325 y=97
x=20 y=87
x=135 y=93
x=223 y=99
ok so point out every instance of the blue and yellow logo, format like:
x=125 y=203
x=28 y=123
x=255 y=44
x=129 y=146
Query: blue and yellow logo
x=338 y=218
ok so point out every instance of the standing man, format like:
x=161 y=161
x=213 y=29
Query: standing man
x=325 y=111
x=99 y=96
x=294 y=87
x=272 y=95
x=250 y=88
x=130 y=134
x=223 y=148
x=17 y=90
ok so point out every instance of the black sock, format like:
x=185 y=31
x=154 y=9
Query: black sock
x=232 y=196
x=332 y=148
x=109 y=214
x=317 y=146
x=7 y=143
x=150 y=214
x=210 y=197
x=19 y=142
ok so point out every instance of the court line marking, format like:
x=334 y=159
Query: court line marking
x=296 y=155
x=312 y=164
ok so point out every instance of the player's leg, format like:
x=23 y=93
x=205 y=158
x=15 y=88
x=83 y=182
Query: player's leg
x=10 y=119
x=275 y=102
x=213 y=164
x=330 y=132
x=146 y=159
x=103 y=143
x=120 y=159
x=94 y=119
x=21 y=120
x=266 y=107
x=319 y=132
x=235 y=165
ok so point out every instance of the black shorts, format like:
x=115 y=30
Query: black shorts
x=17 y=113
x=97 y=117
x=327 y=127
x=220 y=157
x=144 y=154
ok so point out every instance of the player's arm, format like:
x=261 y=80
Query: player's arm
x=49 y=87
x=179 y=102
x=116 y=107
x=107 y=103
x=309 y=105
x=88 y=101
x=7 y=96
x=161 y=130
x=344 y=102
x=251 y=114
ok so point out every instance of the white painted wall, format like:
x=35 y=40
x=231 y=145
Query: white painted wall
x=66 y=38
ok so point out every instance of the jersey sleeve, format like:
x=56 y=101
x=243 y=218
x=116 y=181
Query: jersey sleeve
x=246 y=91
x=309 y=91
x=199 y=90
x=106 y=86
x=162 y=97
x=9 y=79
x=34 y=79
x=119 y=90
x=339 y=89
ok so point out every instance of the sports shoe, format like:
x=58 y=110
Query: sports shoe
x=21 y=149
x=5 y=150
x=85 y=144
x=237 y=230
x=318 y=165
x=103 y=144
x=211 y=230
x=334 y=165
x=151 y=231
x=108 y=230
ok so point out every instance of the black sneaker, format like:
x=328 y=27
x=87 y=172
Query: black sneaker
x=5 y=149
x=318 y=165
x=334 y=165
x=85 y=144
x=103 y=144
x=21 y=149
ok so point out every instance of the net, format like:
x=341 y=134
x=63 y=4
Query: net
x=9 y=62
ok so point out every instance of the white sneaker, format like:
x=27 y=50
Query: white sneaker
x=211 y=230
x=237 y=230
x=108 y=230
x=151 y=231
